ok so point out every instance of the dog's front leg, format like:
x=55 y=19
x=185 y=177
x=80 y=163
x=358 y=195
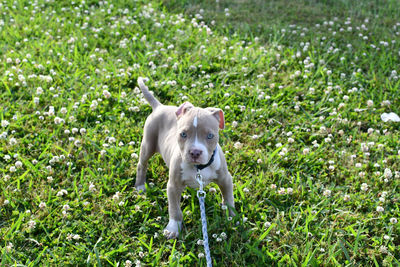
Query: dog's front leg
x=226 y=186
x=174 y=192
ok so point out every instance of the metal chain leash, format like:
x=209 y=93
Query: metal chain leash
x=201 y=194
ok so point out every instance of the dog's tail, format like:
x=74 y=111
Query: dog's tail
x=154 y=103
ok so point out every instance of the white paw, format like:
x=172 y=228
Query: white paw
x=141 y=188
x=173 y=228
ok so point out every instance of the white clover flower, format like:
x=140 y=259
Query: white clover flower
x=63 y=110
x=346 y=198
x=4 y=123
x=135 y=109
x=223 y=235
x=31 y=225
x=134 y=156
x=273 y=186
x=281 y=191
x=66 y=207
x=364 y=187
x=380 y=209
x=393 y=220
x=388 y=173
x=106 y=94
x=58 y=120
x=383 y=249
x=94 y=104
x=78 y=143
x=116 y=196
x=9 y=246
x=92 y=187
x=18 y=164
x=267 y=224
x=234 y=124
x=327 y=193
x=13 y=141
x=61 y=192
x=238 y=145
x=212 y=190
x=283 y=151
x=3 y=135
x=42 y=205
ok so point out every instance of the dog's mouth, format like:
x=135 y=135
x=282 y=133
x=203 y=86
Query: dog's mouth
x=195 y=161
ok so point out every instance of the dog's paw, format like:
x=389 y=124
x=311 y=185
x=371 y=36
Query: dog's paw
x=173 y=228
x=140 y=188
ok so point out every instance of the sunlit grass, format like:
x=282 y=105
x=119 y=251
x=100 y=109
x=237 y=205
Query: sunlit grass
x=316 y=170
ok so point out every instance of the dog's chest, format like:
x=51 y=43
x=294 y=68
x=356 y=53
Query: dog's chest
x=189 y=177
x=208 y=174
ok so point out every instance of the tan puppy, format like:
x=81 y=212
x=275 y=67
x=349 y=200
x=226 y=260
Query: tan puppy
x=187 y=139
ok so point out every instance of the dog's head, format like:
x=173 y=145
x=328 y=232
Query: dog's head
x=198 y=132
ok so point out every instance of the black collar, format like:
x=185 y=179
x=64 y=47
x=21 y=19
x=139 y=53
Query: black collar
x=200 y=167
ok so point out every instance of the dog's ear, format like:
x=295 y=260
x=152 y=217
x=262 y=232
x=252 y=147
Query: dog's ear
x=183 y=109
x=219 y=115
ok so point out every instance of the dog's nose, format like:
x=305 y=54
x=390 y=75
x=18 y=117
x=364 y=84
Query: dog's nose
x=195 y=153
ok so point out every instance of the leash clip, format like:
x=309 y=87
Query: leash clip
x=199 y=179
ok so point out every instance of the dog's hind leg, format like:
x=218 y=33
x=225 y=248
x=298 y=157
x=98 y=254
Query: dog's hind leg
x=147 y=149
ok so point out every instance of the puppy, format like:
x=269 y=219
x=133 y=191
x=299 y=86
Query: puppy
x=187 y=139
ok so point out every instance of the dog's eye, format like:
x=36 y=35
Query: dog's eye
x=210 y=136
x=183 y=135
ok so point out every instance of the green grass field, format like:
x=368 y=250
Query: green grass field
x=303 y=85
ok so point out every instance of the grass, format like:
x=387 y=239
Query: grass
x=316 y=170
